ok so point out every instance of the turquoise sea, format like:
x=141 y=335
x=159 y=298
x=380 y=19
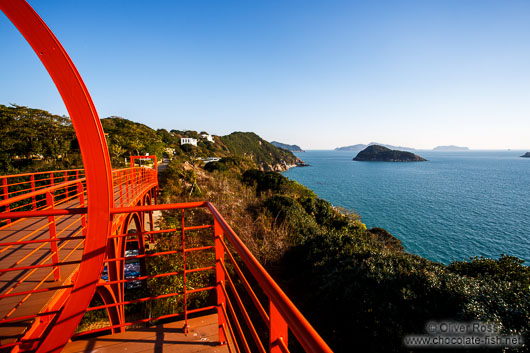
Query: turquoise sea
x=453 y=207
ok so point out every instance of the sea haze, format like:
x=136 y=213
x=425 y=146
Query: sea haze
x=453 y=207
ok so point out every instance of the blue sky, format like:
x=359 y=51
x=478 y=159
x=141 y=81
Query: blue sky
x=320 y=74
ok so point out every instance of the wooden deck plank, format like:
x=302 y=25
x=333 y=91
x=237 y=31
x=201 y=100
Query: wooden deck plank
x=170 y=337
x=13 y=256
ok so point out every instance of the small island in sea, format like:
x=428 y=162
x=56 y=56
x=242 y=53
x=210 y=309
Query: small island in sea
x=450 y=148
x=526 y=155
x=376 y=153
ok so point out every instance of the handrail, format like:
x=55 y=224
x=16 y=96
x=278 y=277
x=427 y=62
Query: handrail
x=301 y=328
x=40 y=191
x=44 y=213
x=39 y=173
x=53 y=187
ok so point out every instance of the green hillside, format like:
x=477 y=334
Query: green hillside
x=250 y=145
x=34 y=139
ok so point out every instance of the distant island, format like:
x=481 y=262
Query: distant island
x=450 y=148
x=360 y=147
x=292 y=148
x=526 y=155
x=376 y=153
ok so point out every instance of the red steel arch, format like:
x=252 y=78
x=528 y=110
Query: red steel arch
x=95 y=159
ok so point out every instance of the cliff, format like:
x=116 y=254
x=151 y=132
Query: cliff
x=376 y=153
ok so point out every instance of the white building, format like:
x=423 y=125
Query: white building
x=212 y=159
x=207 y=137
x=188 y=141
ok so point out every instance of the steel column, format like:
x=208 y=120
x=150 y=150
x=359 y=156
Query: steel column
x=220 y=281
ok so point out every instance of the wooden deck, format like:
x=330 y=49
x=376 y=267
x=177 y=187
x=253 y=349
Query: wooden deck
x=42 y=278
x=202 y=337
x=30 y=229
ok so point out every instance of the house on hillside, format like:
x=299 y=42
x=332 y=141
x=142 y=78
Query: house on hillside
x=188 y=141
x=169 y=151
x=207 y=137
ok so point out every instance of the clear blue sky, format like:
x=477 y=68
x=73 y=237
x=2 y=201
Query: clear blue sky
x=320 y=74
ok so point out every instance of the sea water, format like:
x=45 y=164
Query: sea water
x=455 y=206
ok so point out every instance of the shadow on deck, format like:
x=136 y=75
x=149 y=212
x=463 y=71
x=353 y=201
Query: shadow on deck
x=202 y=337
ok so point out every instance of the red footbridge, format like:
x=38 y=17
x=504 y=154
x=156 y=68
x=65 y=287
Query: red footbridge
x=68 y=236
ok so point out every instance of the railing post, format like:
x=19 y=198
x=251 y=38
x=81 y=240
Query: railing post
x=6 y=196
x=184 y=276
x=34 y=200
x=220 y=281
x=131 y=181
x=81 y=195
x=65 y=180
x=121 y=187
x=136 y=182
x=127 y=184
x=5 y=189
x=53 y=237
x=278 y=329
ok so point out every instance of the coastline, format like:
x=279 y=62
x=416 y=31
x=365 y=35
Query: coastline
x=431 y=205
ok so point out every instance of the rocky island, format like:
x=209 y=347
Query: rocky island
x=378 y=153
x=526 y=155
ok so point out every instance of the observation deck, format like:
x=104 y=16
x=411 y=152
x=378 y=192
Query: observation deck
x=67 y=238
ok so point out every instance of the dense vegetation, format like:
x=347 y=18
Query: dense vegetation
x=33 y=139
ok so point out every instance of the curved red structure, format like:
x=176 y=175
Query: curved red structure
x=95 y=159
x=98 y=212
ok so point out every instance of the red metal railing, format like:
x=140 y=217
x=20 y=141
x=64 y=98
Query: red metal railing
x=237 y=322
x=239 y=286
x=39 y=257
x=22 y=184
